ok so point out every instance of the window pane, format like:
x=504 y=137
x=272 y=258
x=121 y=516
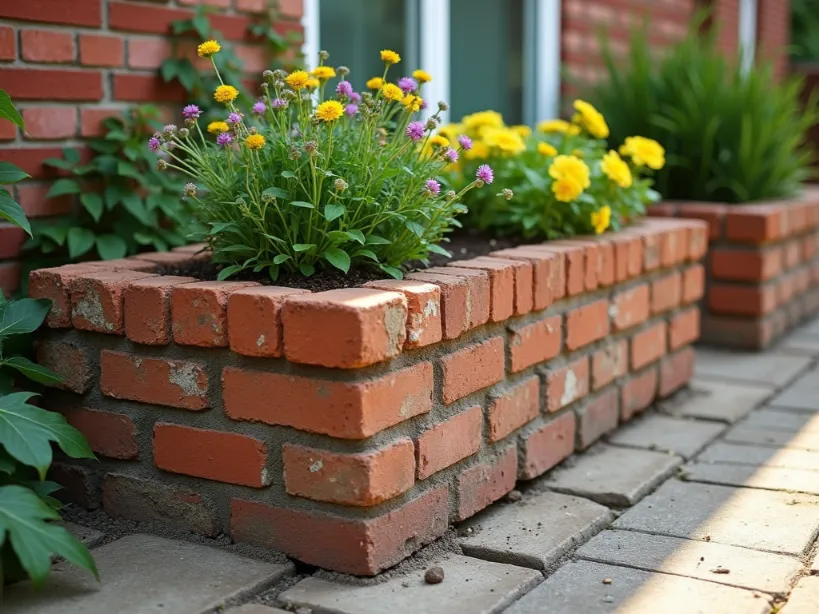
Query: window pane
x=486 y=56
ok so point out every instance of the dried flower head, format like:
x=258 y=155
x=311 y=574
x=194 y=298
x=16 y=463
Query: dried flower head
x=161 y=165
x=268 y=76
x=342 y=71
x=442 y=106
x=507 y=193
x=190 y=190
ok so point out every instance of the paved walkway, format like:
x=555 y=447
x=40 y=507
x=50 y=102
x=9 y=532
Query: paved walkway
x=709 y=503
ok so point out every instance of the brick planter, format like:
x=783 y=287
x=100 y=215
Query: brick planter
x=348 y=428
x=762 y=267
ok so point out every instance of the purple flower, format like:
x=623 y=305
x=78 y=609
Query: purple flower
x=355 y=97
x=224 y=139
x=234 y=118
x=351 y=109
x=452 y=155
x=191 y=112
x=279 y=103
x=415 y=130
x=153 y=144
x=258 y=107
x=407 y=84
x=170 y=128
x=485 y=174
x=424 y=104
x=344 y=88
x=433 y=186
x=465 y=142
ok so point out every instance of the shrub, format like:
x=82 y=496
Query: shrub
x=558 y=182
x=314 y=177
x=730 y=136
x=804 y=30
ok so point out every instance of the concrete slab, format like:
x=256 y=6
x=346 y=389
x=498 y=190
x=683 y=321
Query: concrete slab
x=782 y=420
x=762 y=520
x=255 y=608
x=750 y=476
x=752 y=367
x=666 y=434
x=799 y=343
x=803 y=395
x=536 y=531
x=722 y=452
x=88 y=536
x=719 y=401
x=749 y=434
x=145 y=574
x=612 y=475
x=805 y=597
x=579 y=588
x=470 y=585
x=763 y=571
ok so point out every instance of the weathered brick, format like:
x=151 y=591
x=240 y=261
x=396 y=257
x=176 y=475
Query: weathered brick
x=50 y=123
x=85 y=13
x=456 y=305
x=8 y=45
x=712 y=214
x=54 y=284
x=546 y=272
x=486 y=482
x=109 y=434
x=676 y=370
x=199 y=312
x=449 y=441
x=213 y=455
x=97 y=300
x=630 y=307
x=547 y=446
x=70 y=360
x=173 y=383
x=567 y=384
x=598 y=417
x=742 y=300
x=532 y=343
x=638 y=393
x=666 y=292
x=628 y=256
x=423 y=309
x=472 y=368
x=684 y=328
x=609 y=363
x=254 y=320
x=80 y=485
x=98 y=50
x=501 y=283
x=745 y=264
x=516 y=407
x=648 y=345
x=148 y=309
x=697 y=242
x=41 y=84
x=146 y=88
x=592 y=260
x=755 y=224
x=347 y=410
x=750 y=333
x=587 y=324
x=693 y=283
x=47 y=46
x=574 y=272
x=479 y=291
x=149 y=53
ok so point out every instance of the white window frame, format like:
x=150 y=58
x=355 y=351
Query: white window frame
x=747 y=32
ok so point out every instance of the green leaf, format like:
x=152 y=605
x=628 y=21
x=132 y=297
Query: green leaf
x=338 y=258
x=58 y=163
x=392 y=271
x=279 y=258
x=63 y=186
x=93 y=204
x=274 y=191
x=202 y=25
x=13 y=212
x=111 y=247
x=357 y=235
x=228 y=271
x=80 y=240
x=126 y=169
x=367 y=254
x=136 y=207
x=11 y=174
x=71 y=154
x=113 y=195
x=288 y=174
x=332 y=212
x=301 y=203
x=24 y=518
x=7 y=111
x=303 y=247
x=307 y=269
x=415 y=228
x=376 y=240
x=437 y=249
x=23 y=316
x=31 y=370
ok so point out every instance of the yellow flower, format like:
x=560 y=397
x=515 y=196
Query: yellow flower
x=438 y=141
x=329 y=110
x=644 y=152
x=572 y=167
x=254 y=141
x=591 y=119
x=477 y=123
x=601 y=220
x=523 y=131
x=225 y=93
x=479 y=151
x=392 y=92
x=557 y=125
x=218 y=127
x=312 y=84
x=506 y=140
x=390 y=57
x=616 y=170
x=297 y=79
x=546 y=149
x=208 y=48
x=566 y=189
x=375 y=83
x=412 y=103
x=323 y=72
x=421 y=76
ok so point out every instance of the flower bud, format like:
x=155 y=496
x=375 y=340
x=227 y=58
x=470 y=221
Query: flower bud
x=268 y=76
x=323 y=55
x=184 y=133
x=161 y=165
x=442 y=106
x=279 y=73
x=450 y=194
x=340 y=185
x=311 y=147
x=190 y=190
x=507 y=193
x=294 y=153
x=342 y=71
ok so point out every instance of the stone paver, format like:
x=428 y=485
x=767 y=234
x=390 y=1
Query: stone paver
x=614 y=476
x=782 y=420
x=534 y=532
x=656 y=432
x=90 y=537
x=750 y=476
x=763 y=520
x=764 y=571
x=578 y=588
x=739 y=454
x=751 y=367
x=719 y=401
x=805 y=597
x=749 y=434
x=470 y=585
x=143 y=574
x=255 y=608
x=800 y=343
x=802 y=396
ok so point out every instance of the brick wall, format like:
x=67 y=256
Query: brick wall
x=68 y=64
x=774 y=33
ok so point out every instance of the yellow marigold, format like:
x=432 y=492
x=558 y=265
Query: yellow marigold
x=600 y=220
x=390 y=57
x=376 y=83
x=218 y=127
x=323 y=72
x=254 y=141
x=225 y=93
x=208 y=48
x=546 y=149
x=312 y=84
x=412 y=103
x=557 y=125
x=591 y=119
x=478 y=122
x=297 y=79
x=438 y=141
x=392 y=92
x=644 y=152
x=506 y=140
x=479 y=151
x=329 y=110
x=616 y=169
x=523 y=131
x=421 y=76
x=572 y=167
x=567 y=189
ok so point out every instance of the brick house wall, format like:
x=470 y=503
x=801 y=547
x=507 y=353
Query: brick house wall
x=774 y=33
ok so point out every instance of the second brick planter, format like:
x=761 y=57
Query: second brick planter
x=348 y=428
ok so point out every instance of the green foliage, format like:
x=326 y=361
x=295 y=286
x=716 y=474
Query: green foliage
x=805 y=30
x=730 y=136
x=10 y=210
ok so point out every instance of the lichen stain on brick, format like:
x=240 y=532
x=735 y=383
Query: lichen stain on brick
x=185 y=376
x=316 y=466
x=90 y=308
x=260 y=341
x=569 y=388
x=394 y=322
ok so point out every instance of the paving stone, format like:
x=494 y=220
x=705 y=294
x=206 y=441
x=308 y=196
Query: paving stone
x=782 y=420
x=760 y=456
x=764 y=571
x=803 y=395
x=88 y=536
x=751 y=367
x=614 y=476
x=255 y=608
x=578 y=588
x=800 y=343
x=762 y=520
x=719 y=401
x=470 y=585
x=656 y=432
x=536 y=531
x=751 y=476
x=804 y=598
x=749 y=434
x=145 y=573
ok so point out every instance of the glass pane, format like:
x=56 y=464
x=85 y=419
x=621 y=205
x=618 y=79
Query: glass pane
x=486 y=53
x=355 y=31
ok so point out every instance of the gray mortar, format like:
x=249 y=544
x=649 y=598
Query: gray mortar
x=185 y=376
x=90 y=308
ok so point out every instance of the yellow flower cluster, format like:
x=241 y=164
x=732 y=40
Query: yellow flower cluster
x=218 y=127
x=322 y=73
x=390 y=91
x=616 y=169
x=644 y=152
x=421 y=76
x=591 y=119
x=376 y=83
x=546 y=149
x=505 y=140
x=412 y=103
x=254 y=141
x=558 y=126
x=297 y=79
x=571 y=177
x=601 y=219
x=208 y=48
x=390 y=57
x=225 y=94
x=329 y=111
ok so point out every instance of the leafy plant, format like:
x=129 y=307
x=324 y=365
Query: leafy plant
x=731 y=136
x=804 y=30
x=10 y=210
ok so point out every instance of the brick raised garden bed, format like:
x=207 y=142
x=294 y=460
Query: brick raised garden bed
x=348 y=428
x=762 y=267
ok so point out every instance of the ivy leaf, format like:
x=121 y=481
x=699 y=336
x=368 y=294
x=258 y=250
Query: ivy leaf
x=23 y=316
x=31 y=370
x=136 y=207
x=332 y=212
x=63 y=186
x=111 y=247
x=7 y=111
x=11 y=211
x=58 y=163
x=93 y=204
x=11 y=174
x=80 y=240
x=72 y=155
x=338 y=258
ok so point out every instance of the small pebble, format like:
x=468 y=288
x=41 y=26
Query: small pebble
x=721 y=570
x=514 y=496
x=606 y=580
x=434 y=575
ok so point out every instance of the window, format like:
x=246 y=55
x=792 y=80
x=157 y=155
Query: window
x=747 y=32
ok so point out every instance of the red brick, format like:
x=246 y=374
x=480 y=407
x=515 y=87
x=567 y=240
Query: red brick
x=109 y=434
x=479 y=291
x=487 y=482
x=501 y=282
x=254 y=320
x=54 y=284
x=199 y=312
x=32 y=198
x=12 y=239
x=673 y=240
x=362 y=479
x=147 y=88
x=755 y=224
x=123 y=264
x=472 y=368
x=796 y=216
x=172 y=259
x=606 y=273
x=547 y=273
x=638 y=393
x=693 y=283
x=666 y=292
x=98 y=50
x=97 y=300
x=8 y=131
x=30 y=157
x=254 y=57
x=213 y=455
x=547 y=446
x=748 y=333
x=253 y=6
x=662 y=210
x=217 y=3
x=628 y=256
x=713 y=214
x=609 y=363
x=742 y=300
x=79 y=485
x=62 y=84
x=348 y=328
x=802 y=280
x=10 y=273
x=532 y=343
x=566 y=385
x=791 y=254
x=148 y=309
x=449 y=441
x=676 y=371
x=574 y=272
x=289 y=8
x=745 y=264
x=8 y=45
x=362 y=546
x=346 y=410
x=514 y=408
x=79 y=13
x=785 y=288
x=684 y=328
x=172 y=383
x=631 y=307
x=597 y=418
x=47 y=46
x=455 y=302
x=592 y=260
x=142 y=18
x=697 y=242
x=648 y=345
x=50 y=123
x=70 y=360
x=423 y=309
x=810 y=246
x=587 y=324
x=651 y=248
x=148 y=53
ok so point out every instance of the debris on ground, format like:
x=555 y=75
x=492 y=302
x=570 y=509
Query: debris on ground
x=434 y=575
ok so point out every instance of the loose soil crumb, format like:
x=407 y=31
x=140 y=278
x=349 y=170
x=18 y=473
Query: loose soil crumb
x=434 y=575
